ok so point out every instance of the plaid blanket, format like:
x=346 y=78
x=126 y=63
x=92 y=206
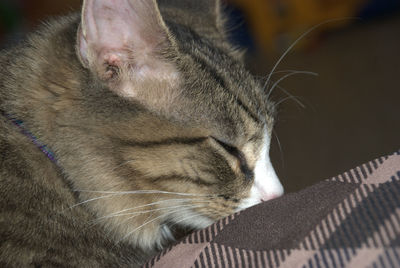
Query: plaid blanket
x=352 y=220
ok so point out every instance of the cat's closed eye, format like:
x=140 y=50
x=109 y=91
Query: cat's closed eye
x=234 y=151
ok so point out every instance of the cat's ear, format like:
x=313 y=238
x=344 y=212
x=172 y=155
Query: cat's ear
x=119 y=37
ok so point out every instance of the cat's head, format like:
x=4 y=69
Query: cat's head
x=198 y=149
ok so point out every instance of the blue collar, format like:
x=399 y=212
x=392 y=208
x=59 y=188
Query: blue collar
x=20 y=124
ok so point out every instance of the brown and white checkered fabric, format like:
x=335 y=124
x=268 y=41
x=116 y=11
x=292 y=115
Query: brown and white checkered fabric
x=352 y=220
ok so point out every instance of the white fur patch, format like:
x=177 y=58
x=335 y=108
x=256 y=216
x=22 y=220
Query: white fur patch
x=190 y=218
x=266 y=184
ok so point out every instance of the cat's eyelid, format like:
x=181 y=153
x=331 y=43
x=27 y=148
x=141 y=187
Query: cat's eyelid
x=227 y=146
x=220 y=140
x=234 y=151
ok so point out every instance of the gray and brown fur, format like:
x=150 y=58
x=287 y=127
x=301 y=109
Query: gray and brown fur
x=164 y=138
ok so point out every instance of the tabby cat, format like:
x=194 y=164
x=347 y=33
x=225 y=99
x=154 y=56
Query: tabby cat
x=122 y=123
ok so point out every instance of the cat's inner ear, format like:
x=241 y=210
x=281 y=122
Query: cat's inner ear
x=120 y=36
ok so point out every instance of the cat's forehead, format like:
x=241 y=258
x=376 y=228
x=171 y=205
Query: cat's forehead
x=235 y=114
x=224 y=94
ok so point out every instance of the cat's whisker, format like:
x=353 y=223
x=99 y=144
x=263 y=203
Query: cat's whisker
x=286 y=71
x=286 y=76
x=144 y=192
x=295 y=98
x=91 y=200
x=146 y=220
x=298 y=40
x=162 y=201
x=150 y=221
x=120 y=213
x=280 y=147
x=283 y=89
x=110 y=194
x=285 y=99
x=265 y=87
x=150 y=210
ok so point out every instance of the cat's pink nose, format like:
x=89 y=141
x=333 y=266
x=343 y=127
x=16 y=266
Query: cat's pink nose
x=269 y=197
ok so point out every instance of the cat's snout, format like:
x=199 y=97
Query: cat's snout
x=270 y=197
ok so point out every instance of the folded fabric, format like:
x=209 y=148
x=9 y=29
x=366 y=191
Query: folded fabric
x=352 y=220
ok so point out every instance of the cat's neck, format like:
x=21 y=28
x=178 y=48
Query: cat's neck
x=41 y=80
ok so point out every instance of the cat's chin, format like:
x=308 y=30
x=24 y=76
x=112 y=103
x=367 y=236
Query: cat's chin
x=190 y=220
x=157 y=236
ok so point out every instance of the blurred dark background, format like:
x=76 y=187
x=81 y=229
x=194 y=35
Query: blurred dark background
x=327 y=124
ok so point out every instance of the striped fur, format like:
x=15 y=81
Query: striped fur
x=154 y=124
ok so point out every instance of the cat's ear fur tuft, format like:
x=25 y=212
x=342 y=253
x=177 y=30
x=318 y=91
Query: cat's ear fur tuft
x=128 y=37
